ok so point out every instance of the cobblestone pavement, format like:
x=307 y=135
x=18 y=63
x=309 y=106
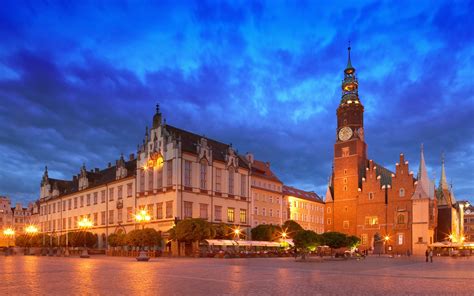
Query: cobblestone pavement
x=100 y=275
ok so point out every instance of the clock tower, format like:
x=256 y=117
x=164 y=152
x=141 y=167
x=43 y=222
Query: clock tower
x=350 y=154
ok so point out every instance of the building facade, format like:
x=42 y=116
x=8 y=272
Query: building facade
x=469 y=223
x=364 y=198
x=304 y=207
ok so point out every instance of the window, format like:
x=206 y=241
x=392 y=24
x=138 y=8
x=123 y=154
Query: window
x=111 y=194
x=218 y=213
x=255 y=211
x=345 y=188
x=264 y=212
x=329 y=221
x=159 y=181
x=371 y=195
x=371 y=220
x=420 y=239
x=102 y=196
x=150 y=179
x=129 y=190
x=111 y=216
x=188 y=209
x=54 y=208
x=88 y=199
x=203 y=211
x=345 y=224
x=270 y=212
x=187 y=173
x=169 y=209
x=218 y=179
x=401 y=219
x=345 y=151
x=96 y=218
x=119 y=215
x=129 y=214
x=102 y=218
x=243 y=185
x=159 y=210
x=169 y=173
x=270 y=199
x=345 y=171
x=231 y=181
x=69 y=204
x=119 y=192
x=203 y=174
x=81 y=198
x=75 y=202
x=96 y=195
x=64 y=205
x=328 y=210
x=364 y=239
x=230 y=214
x=401 y=192
x=69 y=222
x=243 y=216
x=400 y=238
x=142 y=180
x=345 y=180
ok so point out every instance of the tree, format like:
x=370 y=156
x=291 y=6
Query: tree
x=352 y=241
x=117 y=239
x=265 y=232
x=22 y=240
x=193 y=229
x=147 y=237
x=82 y=238
x=334 y=240
x=291 y=228
x=222 y=231
x=306 y=240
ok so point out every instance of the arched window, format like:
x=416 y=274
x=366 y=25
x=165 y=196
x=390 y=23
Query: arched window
x=401 y=192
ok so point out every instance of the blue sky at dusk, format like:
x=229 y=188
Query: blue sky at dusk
x=79 y=82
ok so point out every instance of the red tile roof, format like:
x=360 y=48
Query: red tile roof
x=308 y=195
x=262 y=169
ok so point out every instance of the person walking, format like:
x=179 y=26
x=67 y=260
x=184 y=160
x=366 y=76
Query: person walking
x=431 y=255
x=427 y=253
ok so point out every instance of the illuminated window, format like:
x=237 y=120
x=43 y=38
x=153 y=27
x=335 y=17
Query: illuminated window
x=364 y=239
x=230 y=214
x=400 y=238
x=130 y=213
x=243 y=216
x=371 y=220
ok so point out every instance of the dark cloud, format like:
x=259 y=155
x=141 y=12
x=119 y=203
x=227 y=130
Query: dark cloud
x=78 y=83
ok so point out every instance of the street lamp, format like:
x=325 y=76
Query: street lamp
x=9 y=232
x=386 y=239
x=31 y=230
x=142 y=217
x=237 y=233
x=85 y=224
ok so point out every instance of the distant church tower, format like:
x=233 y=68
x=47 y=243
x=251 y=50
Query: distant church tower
x=350 y=156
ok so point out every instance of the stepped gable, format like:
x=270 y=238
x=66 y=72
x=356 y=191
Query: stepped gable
x=307 y=195
x=189 y=141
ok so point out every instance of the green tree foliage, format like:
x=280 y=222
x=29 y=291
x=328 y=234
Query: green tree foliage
x=80 y=238
x=291 y=228
x=117 y=239
x=307 y=240
x=147 y=237
x=193 y=229
x=334 y=240
x=266 y=232
x=22 y=240
x=222 y=231
x=352 y=241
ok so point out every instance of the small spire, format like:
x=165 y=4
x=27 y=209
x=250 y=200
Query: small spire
x=157 y=108
x=349 y=64
x=443 y=183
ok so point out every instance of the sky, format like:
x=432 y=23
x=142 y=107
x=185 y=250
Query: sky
x=79 y=81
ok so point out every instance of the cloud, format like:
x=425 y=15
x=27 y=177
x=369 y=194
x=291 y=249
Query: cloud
x=264 y=76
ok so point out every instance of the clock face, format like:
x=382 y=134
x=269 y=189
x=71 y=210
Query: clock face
x=345 y=133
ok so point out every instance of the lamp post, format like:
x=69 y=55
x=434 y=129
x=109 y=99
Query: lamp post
x=9 y=232
x=31 y=230
x=386 y=239
x=85 y=224
x=142 y=217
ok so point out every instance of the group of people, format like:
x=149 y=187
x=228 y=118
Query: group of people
x=429 y=255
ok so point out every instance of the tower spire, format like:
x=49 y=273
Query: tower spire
x=443 y=183
x=350 y=84
x=349 y=64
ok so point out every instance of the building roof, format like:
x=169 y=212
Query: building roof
x=308 y=195
x=262 y=169
x=190 y=140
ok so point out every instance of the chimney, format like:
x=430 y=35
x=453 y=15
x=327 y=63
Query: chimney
x=109 y=165
x=132 y=156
